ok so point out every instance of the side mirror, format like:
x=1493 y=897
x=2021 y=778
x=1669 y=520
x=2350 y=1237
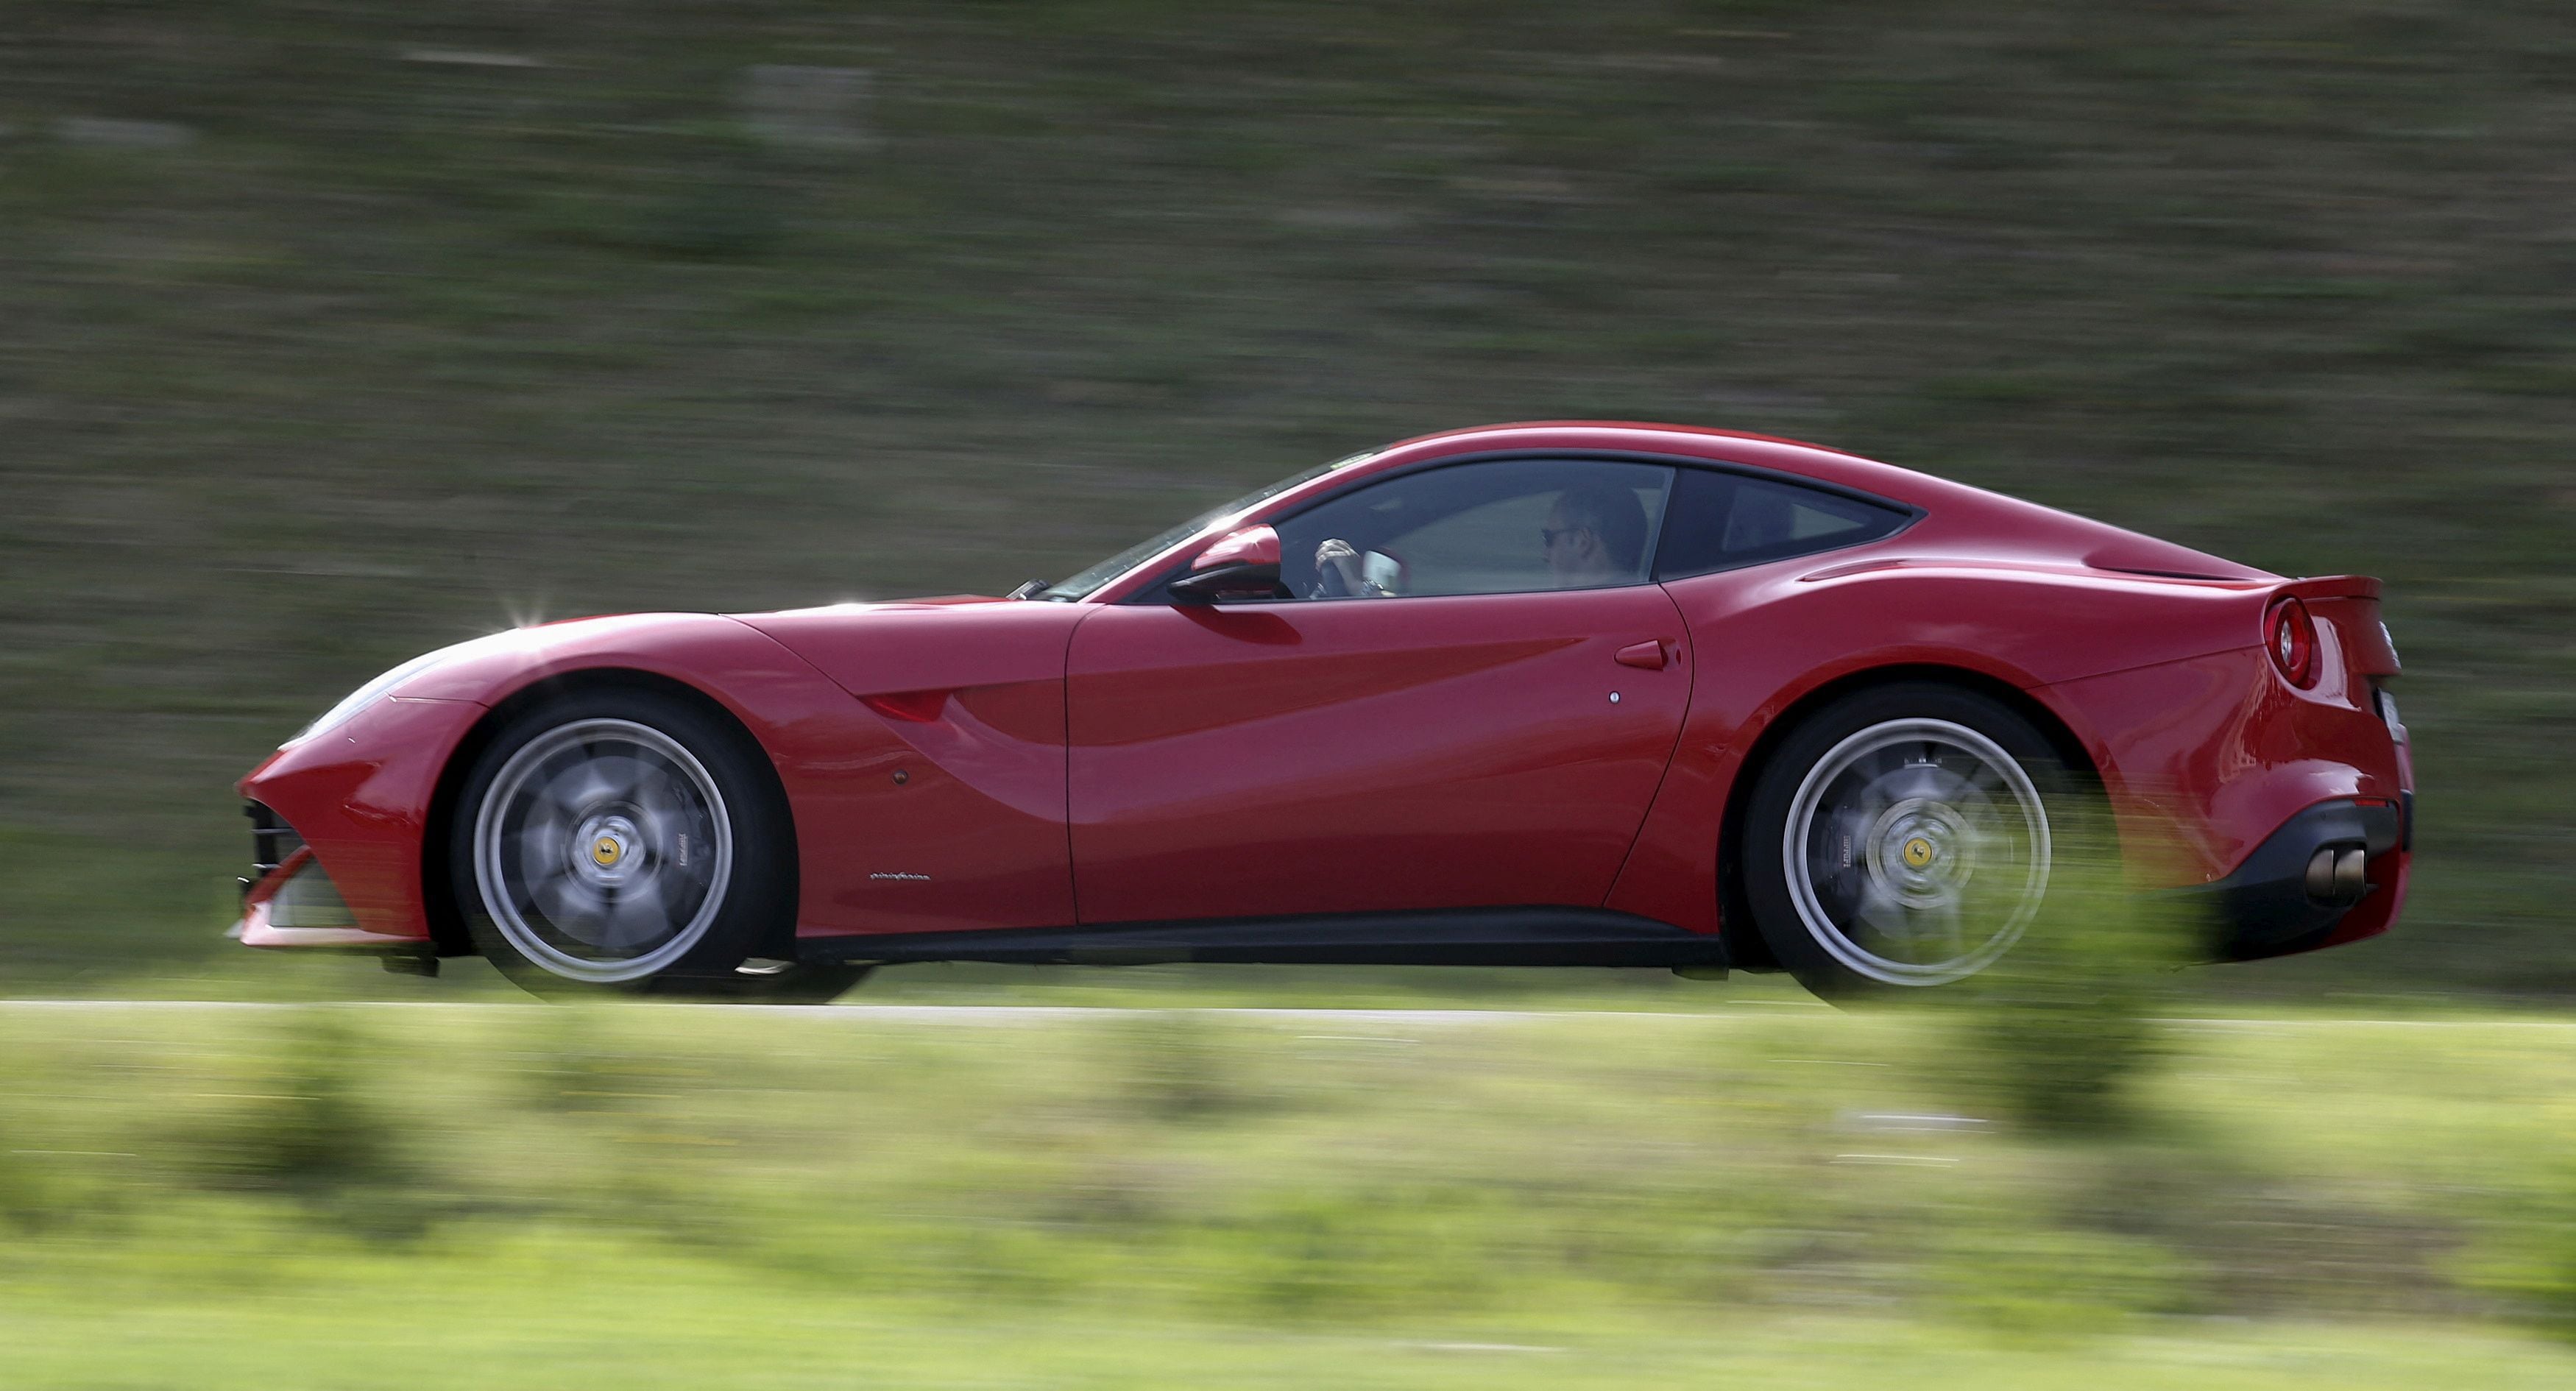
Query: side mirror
x=1239 y=565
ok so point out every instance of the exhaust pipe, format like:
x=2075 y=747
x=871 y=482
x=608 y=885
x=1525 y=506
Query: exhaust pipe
x=2335 y=874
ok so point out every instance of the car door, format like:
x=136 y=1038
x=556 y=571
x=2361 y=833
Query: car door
x=1724 y=527
x=1468 y=734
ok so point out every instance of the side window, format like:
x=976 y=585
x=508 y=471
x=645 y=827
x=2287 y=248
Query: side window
x=1507 y=527
x=1719 y=521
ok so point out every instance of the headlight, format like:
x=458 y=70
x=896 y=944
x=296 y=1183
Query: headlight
x=384 y=685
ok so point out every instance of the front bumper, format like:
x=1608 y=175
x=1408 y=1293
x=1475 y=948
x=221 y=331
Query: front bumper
x=293 y=903
x=2332 y=873
x=355 y=804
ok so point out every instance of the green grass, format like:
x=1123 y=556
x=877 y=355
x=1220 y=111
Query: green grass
x=394 y=351
x=336 y=1195
x=615 y=1322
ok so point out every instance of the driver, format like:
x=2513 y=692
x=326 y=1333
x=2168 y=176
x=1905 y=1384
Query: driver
x=1594 y=536
x=1342 y=572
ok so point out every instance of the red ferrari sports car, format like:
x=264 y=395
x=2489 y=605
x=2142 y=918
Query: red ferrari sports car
x=1559 y=694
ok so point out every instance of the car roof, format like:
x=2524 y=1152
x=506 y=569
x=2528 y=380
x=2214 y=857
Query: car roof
x=1819 y=462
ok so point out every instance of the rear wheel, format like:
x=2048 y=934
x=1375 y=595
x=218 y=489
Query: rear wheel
x=1902 y=838
x=622 y=841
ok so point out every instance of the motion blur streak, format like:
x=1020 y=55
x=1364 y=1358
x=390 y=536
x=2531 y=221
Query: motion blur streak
x=246 y=1194
x=333 y=333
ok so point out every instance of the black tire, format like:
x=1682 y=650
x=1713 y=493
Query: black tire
x=1904 y=798
x=620 y=841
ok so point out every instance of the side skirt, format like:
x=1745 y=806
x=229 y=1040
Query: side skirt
x=1537 y=936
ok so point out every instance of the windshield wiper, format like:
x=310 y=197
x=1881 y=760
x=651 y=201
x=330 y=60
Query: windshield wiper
x=1029 y=590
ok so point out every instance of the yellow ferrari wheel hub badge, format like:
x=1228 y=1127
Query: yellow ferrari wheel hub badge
x=1918 y=853
x=605 y=851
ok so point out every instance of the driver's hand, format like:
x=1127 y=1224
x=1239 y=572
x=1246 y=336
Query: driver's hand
x=1338 y=565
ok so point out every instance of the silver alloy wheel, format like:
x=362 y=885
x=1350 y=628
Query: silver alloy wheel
x=603 y=851
x=1917 y=851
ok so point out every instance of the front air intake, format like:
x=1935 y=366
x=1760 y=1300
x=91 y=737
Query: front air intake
x=271 y=842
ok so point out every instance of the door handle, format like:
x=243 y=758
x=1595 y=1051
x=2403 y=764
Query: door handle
x=1649 y=655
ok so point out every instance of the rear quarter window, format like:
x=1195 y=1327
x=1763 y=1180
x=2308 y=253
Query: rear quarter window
x=1720 y=521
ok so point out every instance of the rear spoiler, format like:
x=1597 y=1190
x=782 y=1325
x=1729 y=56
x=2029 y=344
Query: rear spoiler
x=2351 y=604
x=2330 y=587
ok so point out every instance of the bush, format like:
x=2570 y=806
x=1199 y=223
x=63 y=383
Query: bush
x=2059 y=1032
x=1179 y=1068
x=310 y=1132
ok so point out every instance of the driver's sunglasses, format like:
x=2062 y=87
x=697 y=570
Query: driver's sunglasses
x=1547 y=534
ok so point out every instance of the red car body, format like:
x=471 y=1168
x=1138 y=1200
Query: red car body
x=981 y=771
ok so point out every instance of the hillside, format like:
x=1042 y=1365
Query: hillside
x=330 y=334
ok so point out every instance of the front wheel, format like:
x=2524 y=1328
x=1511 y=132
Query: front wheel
x=1903 y=837
x=621 y=841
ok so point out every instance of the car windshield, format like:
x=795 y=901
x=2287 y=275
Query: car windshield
x=1081 y=586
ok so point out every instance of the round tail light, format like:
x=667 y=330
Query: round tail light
x=2293 y=640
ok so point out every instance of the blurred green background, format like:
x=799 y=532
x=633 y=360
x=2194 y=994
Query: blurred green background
x=330 y=333
x=333 y=332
